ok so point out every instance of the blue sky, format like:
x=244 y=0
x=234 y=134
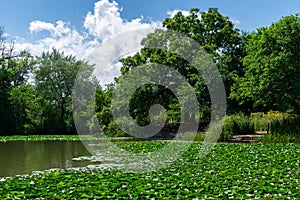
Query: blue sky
x=17 y=14
x=39 y=24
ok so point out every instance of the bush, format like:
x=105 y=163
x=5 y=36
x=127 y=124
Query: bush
x=276 y=138
x=261 y=122
x=285 y=129
x=282 y=127
x=286 y=126
x=243 y=126
x=236 y=125
x=114 y=131
x=228 y=129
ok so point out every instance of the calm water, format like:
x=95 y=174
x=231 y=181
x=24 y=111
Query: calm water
x=23 y=157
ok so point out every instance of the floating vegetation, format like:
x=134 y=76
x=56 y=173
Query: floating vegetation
x=229 y=171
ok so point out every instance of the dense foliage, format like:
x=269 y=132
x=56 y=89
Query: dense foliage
x=276 y=127
x=218 y=37
x=15 y=92
x=284 y=129
x=35 y=92
x=55 y=74
x=229 y=171
x=236 y=125
x=272 y=68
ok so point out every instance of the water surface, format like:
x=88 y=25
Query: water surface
x=23 y=157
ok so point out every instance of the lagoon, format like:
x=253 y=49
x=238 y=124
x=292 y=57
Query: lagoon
x=23 y=156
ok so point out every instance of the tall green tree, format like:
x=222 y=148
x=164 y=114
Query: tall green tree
x=6 y=74
x=103 y=105
x=272 y=68
x=215 y=33
x=6 y=117
x=22 y=93
x=15 y=69
x=54 y=78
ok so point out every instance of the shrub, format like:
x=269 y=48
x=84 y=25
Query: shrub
x=286 y=126
x=276 y=138
x=261 y=123
x=114 y=131
x=236 y=125
x=285 y=129
x=243 y=125
x=228 y=129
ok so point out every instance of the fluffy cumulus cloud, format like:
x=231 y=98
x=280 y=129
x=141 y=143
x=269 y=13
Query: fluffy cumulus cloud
x=61 y=37
x=100 y=24
x=105 y=21
x=58 y=29
x=37 y=26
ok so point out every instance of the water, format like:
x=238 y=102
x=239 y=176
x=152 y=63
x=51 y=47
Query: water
x=23 y=157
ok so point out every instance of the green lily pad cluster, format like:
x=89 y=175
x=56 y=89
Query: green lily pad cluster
x=229 y=171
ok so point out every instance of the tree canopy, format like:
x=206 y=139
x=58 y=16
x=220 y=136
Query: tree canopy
x=35 y=91
x=54 y=79
x=272 y=68
x=217 y=36
x=14 y=74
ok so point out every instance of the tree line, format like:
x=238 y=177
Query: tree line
x=260 y=71
x=35 y=91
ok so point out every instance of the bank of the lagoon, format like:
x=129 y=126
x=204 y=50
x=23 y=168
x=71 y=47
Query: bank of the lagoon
x=245 y=171
x=44 y=137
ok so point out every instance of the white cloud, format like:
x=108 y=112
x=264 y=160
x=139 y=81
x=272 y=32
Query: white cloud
x=101 y=24
x=172 y=13
x=106 y=21
x=59 y=29
x=37 y=26
x=106 y=57
x=62 y=37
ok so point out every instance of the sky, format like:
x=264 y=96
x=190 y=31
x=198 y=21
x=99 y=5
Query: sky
x=77 y=27
x=37 y=21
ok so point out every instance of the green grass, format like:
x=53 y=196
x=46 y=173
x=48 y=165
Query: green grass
x=198 y=137
x=229 y=171
x=40 y=137
x=280 y=138
x=52 y=137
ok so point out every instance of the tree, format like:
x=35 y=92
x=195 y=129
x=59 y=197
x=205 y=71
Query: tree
x=6 y=74
x=54 y=78
x=272 y=68
x=14 y=73
x=215 y=33
x=26 y=110
x=218 y=36
x=22 y=93
x=6 y=117
x=103 y=105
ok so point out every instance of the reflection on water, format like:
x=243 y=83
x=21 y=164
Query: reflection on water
x=23 y=157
